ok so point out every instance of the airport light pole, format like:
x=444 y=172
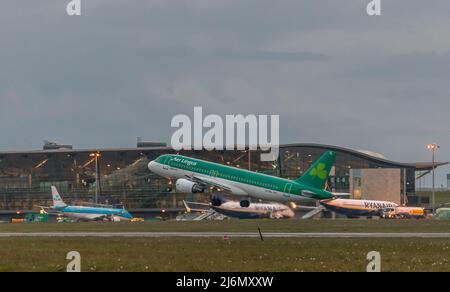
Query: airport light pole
x=96 y=156
x=249 y=159
x=433 y=147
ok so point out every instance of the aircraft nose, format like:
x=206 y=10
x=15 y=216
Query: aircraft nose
x=152 y=165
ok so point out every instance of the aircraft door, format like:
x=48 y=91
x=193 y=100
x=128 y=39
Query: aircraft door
x=165 y=163
x=288 y=188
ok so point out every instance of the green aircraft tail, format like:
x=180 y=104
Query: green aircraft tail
x=317 y=175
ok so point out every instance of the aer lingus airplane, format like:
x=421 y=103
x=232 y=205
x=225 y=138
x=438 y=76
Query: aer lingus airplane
x=195 y=176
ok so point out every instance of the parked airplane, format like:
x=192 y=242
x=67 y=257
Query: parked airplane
x=365 y=208
x=233 y=209
x=195 y=176
x=84 y=213
x=351 y=208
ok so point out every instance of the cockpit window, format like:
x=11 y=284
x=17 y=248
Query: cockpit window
x=161 y=159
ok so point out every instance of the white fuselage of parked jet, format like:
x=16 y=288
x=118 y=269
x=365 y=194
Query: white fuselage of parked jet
x=255 y=210
x=234 y=209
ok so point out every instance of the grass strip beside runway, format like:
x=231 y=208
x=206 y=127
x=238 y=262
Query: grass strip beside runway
x=216 y=254
x=380 y=226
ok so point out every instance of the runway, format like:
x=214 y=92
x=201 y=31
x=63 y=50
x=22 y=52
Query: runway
x=222 y=235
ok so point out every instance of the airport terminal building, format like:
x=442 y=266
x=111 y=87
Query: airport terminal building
x=124 y=179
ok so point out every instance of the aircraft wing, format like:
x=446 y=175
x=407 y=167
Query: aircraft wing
x=197 y=203
x=189 y=209
x=208 y=181
x=244 y=210
x=342 y=195
x=42 y=207
x=314 y=212
x=103 y=217
x=48 y=210
x=305 y=208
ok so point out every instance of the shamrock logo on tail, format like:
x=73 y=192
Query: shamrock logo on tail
x=320 y=171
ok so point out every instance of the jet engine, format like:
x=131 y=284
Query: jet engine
x=216 y=202
x=187 y=186
x=245 y=203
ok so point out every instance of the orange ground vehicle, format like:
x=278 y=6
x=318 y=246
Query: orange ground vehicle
x=404 y=213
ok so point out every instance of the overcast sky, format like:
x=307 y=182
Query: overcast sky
x=124 y=68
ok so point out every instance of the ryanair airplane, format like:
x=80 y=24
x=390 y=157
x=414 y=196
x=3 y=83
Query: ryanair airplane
x=233 y=209
x=352 y=208
x=367 y=208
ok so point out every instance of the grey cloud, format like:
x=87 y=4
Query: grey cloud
x=424 y=66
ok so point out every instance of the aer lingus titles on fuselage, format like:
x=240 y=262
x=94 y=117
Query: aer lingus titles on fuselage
x=195 y=176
